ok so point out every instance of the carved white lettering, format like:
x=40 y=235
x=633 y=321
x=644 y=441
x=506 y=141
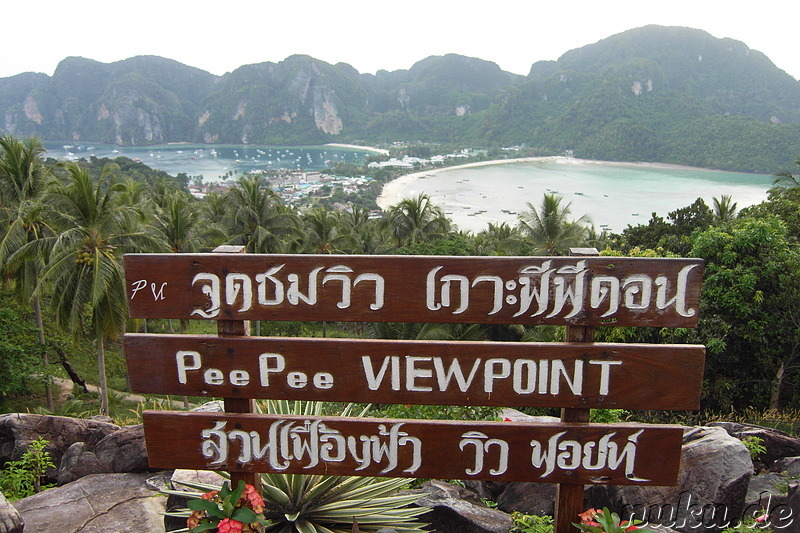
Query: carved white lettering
x=186 y=360
x=308 y=442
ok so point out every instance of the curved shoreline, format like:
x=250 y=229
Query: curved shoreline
x=359 y=147
x=390 y=194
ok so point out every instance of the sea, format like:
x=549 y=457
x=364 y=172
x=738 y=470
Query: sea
x=214 y=163
x=610 y=195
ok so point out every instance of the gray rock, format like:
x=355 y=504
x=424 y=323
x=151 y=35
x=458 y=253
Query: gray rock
x=78 y=461
x=119 y=452
x=10 y=520
x=202 y=477
x=98 y=503
x=517 y=416
x=765 y=487
x=787 y=519
x=458 y=510
x=787 y=465
x=778 y=443
x=160 y=481
x=18 y=431
x=715 y=471
x=528 y=498
x=214 y=406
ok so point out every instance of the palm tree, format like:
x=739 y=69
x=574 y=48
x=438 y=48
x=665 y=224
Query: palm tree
x=323 y=231
x=549 y=228
x=182 y=226
x=724 y=209
x=259 y=218
x=498 y=239
x=787 y=179
x=415 y=220
x=84 y=267
x=23 y=179
x=365 y=234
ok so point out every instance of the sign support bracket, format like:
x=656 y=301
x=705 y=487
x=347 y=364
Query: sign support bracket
x=237 y=328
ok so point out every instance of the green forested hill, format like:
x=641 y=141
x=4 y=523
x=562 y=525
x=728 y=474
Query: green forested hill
x=674 y=95
x=655 y=93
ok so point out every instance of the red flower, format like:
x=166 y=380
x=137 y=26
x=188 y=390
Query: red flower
x=229 y=525
x=587 y=517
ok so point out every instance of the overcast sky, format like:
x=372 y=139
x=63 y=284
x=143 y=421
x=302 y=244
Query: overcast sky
x=369 y=35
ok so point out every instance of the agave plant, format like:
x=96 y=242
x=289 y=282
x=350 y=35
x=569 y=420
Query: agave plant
x=306 y=503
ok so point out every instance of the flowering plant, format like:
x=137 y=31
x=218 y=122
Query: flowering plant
x=604 y=521
x=228 y=511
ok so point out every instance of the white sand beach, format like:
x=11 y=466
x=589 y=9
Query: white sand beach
x=611 y=194
x=359 y=147
x=392 y=191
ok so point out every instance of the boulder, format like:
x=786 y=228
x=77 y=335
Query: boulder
x=715 y=471
x=18 y=430
x=121 y=451
x=789 y=466
x=97 y=503
x=458 y=510
x=788 y=520
x=10 y=520
x=528 y=498
x=766 y=487
x=777 y=443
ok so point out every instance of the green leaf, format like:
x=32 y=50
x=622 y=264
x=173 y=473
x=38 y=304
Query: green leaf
x=236 y=494
x=202 y=505
x=245 y=515
x=225 y=490
x=227 y=507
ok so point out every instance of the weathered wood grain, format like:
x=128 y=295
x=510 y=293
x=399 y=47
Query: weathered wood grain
x=616 y=454
x=592 y=375
x=491 y=290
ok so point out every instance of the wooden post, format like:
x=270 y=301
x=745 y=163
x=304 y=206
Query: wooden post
x=237 y=328
x=569 y=497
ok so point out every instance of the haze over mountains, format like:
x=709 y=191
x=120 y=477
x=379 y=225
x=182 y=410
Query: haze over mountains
x=668 y=94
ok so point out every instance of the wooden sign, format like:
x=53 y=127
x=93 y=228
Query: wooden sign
x=631 y=376
x=487 y=290
x=502 y=451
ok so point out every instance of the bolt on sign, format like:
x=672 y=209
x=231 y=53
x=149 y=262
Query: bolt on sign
x=574 y=291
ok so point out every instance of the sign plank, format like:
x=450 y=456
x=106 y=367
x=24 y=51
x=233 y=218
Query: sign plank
x=631 y=376
x=501 y=451
x=597 y=291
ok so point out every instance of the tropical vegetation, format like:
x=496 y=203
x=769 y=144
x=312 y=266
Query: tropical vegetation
x=65 y=227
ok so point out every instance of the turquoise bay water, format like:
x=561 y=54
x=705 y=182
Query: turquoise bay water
x=612 y=195
x=213 y=162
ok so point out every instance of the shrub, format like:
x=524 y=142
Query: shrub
x=25 y=477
